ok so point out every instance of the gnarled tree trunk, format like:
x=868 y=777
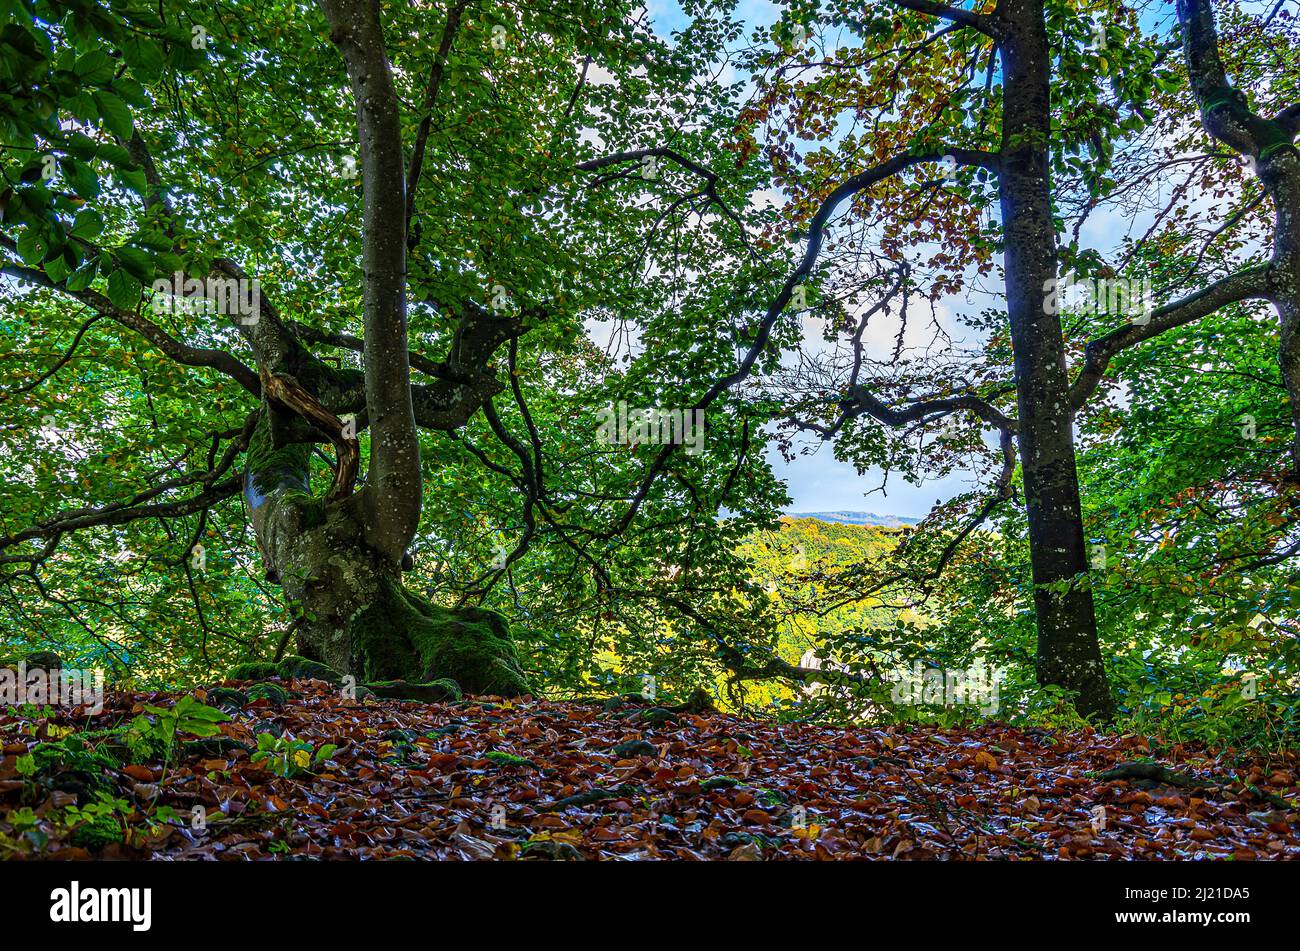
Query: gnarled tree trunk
x=339 y=555
x=351 y=609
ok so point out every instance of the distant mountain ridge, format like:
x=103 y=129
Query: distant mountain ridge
x=857 y=518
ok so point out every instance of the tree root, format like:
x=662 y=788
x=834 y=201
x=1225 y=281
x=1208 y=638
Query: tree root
x=699 y=702
x=291 y=667
x=1156 y=773
x=590 y=798
x=436 y=691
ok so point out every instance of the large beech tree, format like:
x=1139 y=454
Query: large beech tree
x=441 y=191
x=431 y=206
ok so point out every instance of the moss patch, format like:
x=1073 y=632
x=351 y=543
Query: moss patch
x=437 y=691
x=400 y=635
x=227 y=698
x=37 y=660
x=295 y=666
x=97 y=834
x=270 y=468
x=253 y=670
x=507 y=759
x=272 y=693
x=287 y=669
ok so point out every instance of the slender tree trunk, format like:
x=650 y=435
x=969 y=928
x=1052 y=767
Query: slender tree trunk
x=1068 y=652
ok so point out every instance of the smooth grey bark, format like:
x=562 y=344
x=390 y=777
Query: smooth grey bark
x=392 y=494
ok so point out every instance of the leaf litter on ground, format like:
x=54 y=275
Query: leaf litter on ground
x=487 y=778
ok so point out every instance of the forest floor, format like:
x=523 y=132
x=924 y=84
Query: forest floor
x=549 y=780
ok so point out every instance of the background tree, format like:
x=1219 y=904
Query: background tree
x=968 y=125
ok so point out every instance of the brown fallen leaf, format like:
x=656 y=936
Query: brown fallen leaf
x=986 y=760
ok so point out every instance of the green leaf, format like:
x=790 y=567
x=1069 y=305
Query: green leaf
x=88 y=224
x=82 y=178
x=115 y=113
x=115 y=154
x=95 y=67
x=81 y=146
x=32 y=247
x=57 y=269
x=210 y=714
x=82 y=277
x=137 y=262
x=154 y=240
x=124 y=290
x=132 y=179
x=143 y=55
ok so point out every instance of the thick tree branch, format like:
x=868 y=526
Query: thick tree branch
x=180 y=352
x=1245 y=285
x=976 y=21
x=860 y=401
x=1227 y=117
x=116 y=513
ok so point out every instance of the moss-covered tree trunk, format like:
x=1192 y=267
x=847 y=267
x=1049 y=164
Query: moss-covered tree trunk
x=350 y=606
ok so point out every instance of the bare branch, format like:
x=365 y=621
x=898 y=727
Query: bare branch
x=430 y=100
x=976 y=21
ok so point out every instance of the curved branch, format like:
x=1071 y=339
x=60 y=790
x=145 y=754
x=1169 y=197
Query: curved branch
x=816 y=232
x=1249 y=284
x=288 y=392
